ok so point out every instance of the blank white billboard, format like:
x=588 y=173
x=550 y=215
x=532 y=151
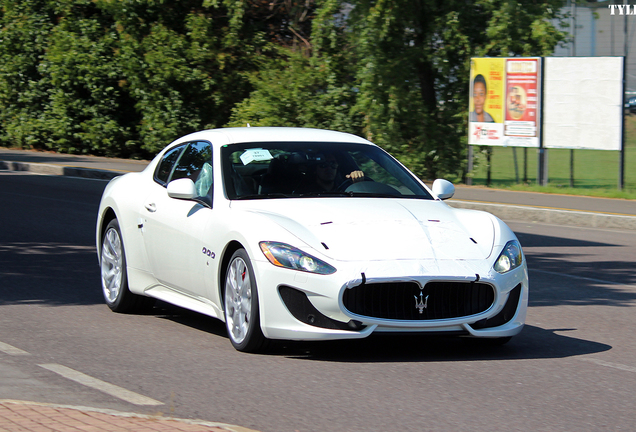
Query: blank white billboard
x=583 y=103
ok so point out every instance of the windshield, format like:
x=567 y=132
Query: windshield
x=313 y=169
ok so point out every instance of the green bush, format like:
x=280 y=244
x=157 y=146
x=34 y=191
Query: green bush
x=124 y=78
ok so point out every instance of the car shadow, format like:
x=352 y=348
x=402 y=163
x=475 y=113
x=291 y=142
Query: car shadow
x=533 y=343
x=189 y=318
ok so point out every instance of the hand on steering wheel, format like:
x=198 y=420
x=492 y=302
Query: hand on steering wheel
x=354 y=177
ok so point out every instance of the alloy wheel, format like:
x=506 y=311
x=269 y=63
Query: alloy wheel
x=112 y=265
x=238 y=300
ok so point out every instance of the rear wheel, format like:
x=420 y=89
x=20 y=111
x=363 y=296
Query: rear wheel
x=114 y=278
x=242 y=317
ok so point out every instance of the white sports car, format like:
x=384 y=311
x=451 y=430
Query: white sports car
x=305 y=234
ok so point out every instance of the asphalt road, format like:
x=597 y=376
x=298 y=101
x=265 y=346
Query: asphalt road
x=571 y=369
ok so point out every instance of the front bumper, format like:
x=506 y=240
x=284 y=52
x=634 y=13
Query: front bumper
x=303 y=306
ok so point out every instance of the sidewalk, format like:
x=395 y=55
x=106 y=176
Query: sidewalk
x=20 y=416
x=565 y=210
x=508 y=205
x=70 y=165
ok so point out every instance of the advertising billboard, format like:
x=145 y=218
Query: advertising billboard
x=504 y=102
x=583 y=105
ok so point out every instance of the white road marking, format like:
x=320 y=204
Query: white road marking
x=11 y=350
x=111 y=389
x=610 y=364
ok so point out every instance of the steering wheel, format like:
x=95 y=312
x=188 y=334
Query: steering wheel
x=344 y=185
x=348 y=182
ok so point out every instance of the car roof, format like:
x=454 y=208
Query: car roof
x=273 y=134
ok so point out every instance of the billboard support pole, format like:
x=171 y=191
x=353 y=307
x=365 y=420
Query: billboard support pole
x=469 y=168
x=621 y=154
x=514 y=157
x=542 y=175
x=571 y=168
x=525 y=165
x=573 y=54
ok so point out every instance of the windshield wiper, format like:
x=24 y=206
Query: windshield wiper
x=376 y=195
x=326 y=194
x=261 y=196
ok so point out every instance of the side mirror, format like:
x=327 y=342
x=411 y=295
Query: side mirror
x=182 y=189
x=443 y=189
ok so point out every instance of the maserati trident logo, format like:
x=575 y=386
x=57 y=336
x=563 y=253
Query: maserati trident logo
x=422 y=303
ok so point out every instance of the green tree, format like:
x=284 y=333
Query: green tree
x=125 y=77
x=298 y=91
x=308 y=84
x=24 y=30
x=187 y=64
x=87 y=110
x=414 y=60
x=183 y=65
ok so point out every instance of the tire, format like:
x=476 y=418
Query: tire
x=113 y=274
x=242 y=317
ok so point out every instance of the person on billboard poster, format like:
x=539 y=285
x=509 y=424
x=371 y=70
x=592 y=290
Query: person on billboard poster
x=516 y=102
x=480 y=93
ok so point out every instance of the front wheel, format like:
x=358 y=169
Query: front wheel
x=114 y=278
x=242 y=317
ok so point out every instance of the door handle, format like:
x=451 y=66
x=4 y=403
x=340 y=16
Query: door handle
x=151 y=207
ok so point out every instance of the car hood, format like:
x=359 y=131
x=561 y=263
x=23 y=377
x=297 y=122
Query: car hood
x=367 y=229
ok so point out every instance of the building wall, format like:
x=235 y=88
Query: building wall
x=599 y=33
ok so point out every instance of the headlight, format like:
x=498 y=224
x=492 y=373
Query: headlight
x=510 y=258
x=286 y=256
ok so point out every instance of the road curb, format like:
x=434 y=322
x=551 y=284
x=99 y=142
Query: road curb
x=63 y=170
x=551 y=216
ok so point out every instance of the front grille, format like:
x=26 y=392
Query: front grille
x=402 y=300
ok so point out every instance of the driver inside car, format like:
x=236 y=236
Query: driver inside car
x=327 y=178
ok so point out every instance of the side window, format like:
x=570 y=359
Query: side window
x=164 y=169
x=191 y=161
x=196 y=164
